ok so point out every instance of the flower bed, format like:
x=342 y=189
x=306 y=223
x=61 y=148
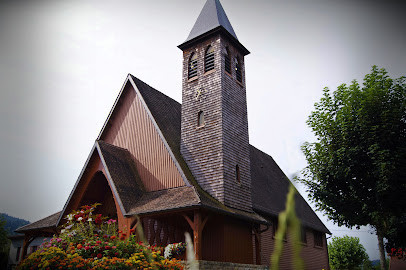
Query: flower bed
x=90 y=241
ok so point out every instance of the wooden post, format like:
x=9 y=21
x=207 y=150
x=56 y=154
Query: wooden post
x=257 y=245
x=27 y=241
x=197 y=226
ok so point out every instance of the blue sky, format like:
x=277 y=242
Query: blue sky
x=62 y=64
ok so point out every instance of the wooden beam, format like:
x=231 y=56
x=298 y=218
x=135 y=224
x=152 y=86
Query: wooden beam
x=197 y=225
x=27 y=241
x=197 y=234
x=257 y=233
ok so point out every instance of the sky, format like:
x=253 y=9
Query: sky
x=62 y=64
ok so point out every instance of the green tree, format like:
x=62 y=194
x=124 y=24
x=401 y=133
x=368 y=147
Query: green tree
x=4 y=244
x=356 y=168
x=346 y=253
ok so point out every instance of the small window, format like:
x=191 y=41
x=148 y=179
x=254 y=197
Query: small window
x=238 y=71
x=200 y=119
x=192 y=68
x=209 y=59
x=237 y=174
x=227 y=61
x=303 y=235
x=318 y=239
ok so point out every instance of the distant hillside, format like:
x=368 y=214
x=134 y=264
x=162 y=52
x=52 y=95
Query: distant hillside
x=13 y=223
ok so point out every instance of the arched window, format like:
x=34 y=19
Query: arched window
x=209 y=59
x=238 y=70
x=227 y=61
x=237 y=174
x=192 y=67
x=200 y=119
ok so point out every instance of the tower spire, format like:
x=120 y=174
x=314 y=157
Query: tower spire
x=212 y=19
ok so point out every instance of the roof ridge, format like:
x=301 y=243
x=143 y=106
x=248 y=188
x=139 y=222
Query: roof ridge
x=139 y=80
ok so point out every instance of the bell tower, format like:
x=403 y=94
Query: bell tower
x=214 y=128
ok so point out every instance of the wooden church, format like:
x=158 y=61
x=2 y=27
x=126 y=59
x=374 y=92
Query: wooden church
x=189 y=167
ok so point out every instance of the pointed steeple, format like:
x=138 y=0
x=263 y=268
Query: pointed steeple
x=211 y=16
x=212 y=19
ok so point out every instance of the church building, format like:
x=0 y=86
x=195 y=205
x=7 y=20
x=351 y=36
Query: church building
x=190 y=167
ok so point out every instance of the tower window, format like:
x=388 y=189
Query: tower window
x=237 y=174
x=227 y=61
x=209 y=59
x=238 y=71
x=200 y=119
x=192 y=67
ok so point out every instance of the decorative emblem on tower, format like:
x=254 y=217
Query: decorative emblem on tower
x=200 y=94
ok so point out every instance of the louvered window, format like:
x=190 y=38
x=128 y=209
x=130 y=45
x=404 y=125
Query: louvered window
x=192 y=68
x=238 y=71
x=209 y=59
x=227 y=61
x=200 y=119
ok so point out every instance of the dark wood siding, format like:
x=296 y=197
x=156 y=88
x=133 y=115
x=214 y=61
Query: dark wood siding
x=227 y=239
x=314 y=257
x=130 y=127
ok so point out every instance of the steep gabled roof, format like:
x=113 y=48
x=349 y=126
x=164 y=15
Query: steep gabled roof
x=122 y=172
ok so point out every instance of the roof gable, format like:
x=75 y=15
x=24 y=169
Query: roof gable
x=120 y=173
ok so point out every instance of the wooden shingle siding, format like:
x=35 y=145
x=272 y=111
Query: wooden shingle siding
x=131 y=128
x=213 y=151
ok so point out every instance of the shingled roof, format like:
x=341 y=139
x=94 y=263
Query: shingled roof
x=269 y=184
x=45 y=223
x=121 y=169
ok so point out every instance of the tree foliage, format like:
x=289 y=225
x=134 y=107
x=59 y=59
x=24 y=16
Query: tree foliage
x=4 y=244
x=346 y=253
x=356 y=168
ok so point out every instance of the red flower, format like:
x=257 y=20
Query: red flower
x=98 y=242
x=99 y=255
x=79 y=246
x=122 y=237
x=112 y=237
x=98 y=219
x=132 y=230
x=87 y=247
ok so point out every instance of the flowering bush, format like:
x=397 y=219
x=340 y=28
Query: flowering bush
x=90 y=241
x=174 y=249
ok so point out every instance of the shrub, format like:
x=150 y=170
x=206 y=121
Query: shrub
x=90 y=241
